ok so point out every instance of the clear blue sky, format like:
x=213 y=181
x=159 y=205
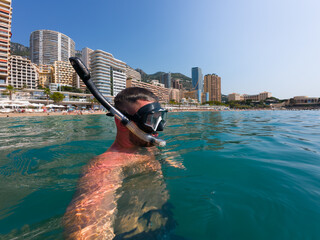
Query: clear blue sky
x=254 y=45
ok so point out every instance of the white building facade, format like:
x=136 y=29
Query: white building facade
x=23 y=73
x=48 y=46
x=85 y=56
x=108 y=73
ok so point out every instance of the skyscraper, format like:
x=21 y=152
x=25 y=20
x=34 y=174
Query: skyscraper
x=166 y=80
x=197 y=81
x=5 y=36
x=197 y=78
x=48 y=46
x=212 y=85
x=108 y=73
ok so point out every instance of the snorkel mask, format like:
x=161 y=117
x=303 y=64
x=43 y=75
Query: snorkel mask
x=150 y=118
x=153 y=122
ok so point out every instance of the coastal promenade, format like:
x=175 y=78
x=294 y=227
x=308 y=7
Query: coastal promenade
x=45 y=114
x=60 y=113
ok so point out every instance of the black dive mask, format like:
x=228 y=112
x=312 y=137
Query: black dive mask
x=150 y=118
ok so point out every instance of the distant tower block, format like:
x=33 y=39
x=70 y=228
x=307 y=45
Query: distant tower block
x=212 y=85
x=197 y=78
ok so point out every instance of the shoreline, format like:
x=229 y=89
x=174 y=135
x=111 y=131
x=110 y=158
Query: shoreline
x=48 y=114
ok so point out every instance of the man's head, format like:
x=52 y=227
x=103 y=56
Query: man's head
x=141 y=106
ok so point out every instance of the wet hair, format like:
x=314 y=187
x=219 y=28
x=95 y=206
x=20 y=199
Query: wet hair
x=131 y=95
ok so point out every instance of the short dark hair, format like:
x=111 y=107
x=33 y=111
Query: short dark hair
x=131 y=95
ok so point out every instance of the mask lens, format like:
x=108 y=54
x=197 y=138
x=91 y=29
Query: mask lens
x=151 y=117
x=153 y=120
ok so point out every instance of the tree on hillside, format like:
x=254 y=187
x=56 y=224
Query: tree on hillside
x=57 y=97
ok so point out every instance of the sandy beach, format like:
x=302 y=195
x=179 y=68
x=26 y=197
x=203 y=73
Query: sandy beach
x=46 y=114
x=102 y=112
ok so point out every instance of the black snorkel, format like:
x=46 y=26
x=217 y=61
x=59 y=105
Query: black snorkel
x=84 y=74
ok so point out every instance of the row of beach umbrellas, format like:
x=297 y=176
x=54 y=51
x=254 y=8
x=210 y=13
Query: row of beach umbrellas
x=9 y=103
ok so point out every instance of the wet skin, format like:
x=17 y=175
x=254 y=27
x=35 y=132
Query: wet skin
x=93 y=210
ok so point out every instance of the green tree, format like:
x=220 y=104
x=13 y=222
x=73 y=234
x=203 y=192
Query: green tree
x=93 y=101
x=172 y=101
x=57 y=97
x=47 y=92
x=10 y=90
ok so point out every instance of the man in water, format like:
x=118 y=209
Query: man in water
x=127 y=174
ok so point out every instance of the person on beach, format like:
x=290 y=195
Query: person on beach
x=122 y=193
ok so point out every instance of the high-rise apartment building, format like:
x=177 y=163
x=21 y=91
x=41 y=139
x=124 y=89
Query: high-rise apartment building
x=48 y=46
x=197 y=78
x=166 y=80
x=85 y=56
x=23 y=73
x=177 y=84
x=212 y=85
x=108 y=73
x=5 y=36
x=64 y=74
x=197 y=81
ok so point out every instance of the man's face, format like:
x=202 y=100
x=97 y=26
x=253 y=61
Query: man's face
x=132 y=109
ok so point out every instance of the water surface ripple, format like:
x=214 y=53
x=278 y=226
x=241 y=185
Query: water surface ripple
x=229 y=175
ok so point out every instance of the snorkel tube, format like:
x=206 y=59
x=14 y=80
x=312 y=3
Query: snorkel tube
x=84 y=74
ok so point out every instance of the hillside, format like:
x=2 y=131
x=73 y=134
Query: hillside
x=19 y=49
x=186 y=81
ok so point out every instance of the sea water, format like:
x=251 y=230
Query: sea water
x=227 y=175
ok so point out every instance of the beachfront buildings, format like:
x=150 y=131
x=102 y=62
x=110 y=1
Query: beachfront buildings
x=235 y=97
x=305 y=100
x=255 y=97
x=46 y=75
x=212 y=86
x=5 y=36
x=175 y=95
x=64 y=74
x=48 y=46
x=161 y=92
x=107 y=72
x=22 y=73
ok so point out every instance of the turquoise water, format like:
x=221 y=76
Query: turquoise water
x=229 y=175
